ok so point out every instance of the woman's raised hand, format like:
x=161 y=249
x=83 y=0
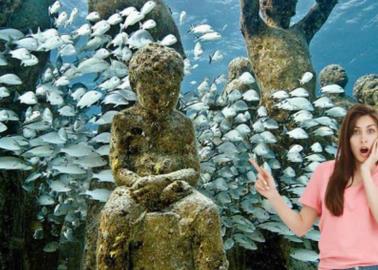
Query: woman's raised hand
x=370 y=163
x=265 y=184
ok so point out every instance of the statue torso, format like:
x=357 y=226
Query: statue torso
x=279 y=57
x=155 y=146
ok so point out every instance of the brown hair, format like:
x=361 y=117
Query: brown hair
x=345 y=163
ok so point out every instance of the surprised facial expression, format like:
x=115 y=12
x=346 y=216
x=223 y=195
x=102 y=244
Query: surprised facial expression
x=364 y=134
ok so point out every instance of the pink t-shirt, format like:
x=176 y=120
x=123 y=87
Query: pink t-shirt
x=351 y=239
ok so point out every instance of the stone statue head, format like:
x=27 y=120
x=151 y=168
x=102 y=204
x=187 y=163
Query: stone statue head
x=237 y=67
x=365 y=89
x=155 y=73
x=333 y=74
x=278 y=12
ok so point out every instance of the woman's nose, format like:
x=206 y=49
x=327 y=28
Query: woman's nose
x=364 y=137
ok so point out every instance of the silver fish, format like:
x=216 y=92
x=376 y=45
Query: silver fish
x=148 y=7
x=133 y=18
x=89 y=99
x=298 y=133
x=168 y=40
x=101 y=195
x=104 y=176
x=115 y=19
x=13 y=163
x=10 y=79
x=93 y=16
x=4 y=92
x=92 y=65
x=9 y=143
x=9 y=34
x=100 y=28
x=77 y=150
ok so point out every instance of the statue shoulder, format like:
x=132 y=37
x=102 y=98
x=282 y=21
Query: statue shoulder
x=129 y=115
x=182 y=117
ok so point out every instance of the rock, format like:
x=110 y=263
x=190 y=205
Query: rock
x=365 y=89
x=161 y=14
x=333 y=74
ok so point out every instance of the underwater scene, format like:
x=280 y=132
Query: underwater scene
x=126 y=127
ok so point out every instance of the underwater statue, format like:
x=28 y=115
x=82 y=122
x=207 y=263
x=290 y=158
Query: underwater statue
x=155 y=219
x=365 y=90
x=333 y=74
x=279 y=53
x=236 y=68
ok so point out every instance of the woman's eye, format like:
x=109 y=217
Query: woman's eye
x=371 y=131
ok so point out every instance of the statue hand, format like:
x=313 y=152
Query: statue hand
x=147 y=189
x=175 y=191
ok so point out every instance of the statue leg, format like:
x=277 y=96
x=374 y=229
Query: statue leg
x=200 y=219
x=114 y=234
x=209 y=253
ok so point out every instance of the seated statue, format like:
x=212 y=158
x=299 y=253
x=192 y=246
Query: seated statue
x=155 y=219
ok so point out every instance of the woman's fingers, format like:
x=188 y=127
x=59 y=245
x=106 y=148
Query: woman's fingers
x=262 y=184
x=257 y=167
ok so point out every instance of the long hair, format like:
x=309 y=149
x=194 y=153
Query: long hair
x=345 y=163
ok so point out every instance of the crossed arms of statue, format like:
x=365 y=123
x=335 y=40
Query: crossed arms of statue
x=151 y=184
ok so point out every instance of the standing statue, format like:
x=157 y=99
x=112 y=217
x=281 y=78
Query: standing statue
x=155 y=219
x=279 y=53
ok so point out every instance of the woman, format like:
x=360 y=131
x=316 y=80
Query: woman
x=342 y=193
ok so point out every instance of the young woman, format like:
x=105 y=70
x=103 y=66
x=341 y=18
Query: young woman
x=342 y=193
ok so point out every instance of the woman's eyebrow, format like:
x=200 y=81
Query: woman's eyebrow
x=372 y=125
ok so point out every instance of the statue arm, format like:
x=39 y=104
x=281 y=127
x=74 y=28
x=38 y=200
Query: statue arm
x=191 y=172
x=192 y=156
x=117 y=154
x=250 y=16
x=316 y=17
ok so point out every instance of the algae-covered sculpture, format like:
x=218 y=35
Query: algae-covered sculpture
x=155 y=219
x=236 y=68
x=279 y=53
x=333 y=74
x=365 y=89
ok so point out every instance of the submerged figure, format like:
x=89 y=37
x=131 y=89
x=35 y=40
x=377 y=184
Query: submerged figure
x=279 y=53
x=365 y=90
x=155 y=219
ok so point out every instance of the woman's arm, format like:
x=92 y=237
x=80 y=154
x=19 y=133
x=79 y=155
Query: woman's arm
x=300 y=222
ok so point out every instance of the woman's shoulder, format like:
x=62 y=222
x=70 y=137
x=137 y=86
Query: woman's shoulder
x=326 y=166
x=324 y=170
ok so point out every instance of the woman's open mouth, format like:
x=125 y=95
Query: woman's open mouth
x=364 y=151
